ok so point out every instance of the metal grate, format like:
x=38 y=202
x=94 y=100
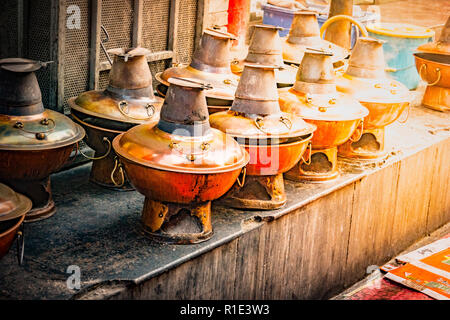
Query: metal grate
x=155 y=31
x=117 y=18
x=187 y=20
x=8 y=29
x=38 y=40
x=76 y=59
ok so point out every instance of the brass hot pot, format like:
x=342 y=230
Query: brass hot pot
x=180 y=165
x=127 y=101
x=210 y=64
x=265 y=48
x=30 y=136
x=13 y=207
x=275 y=140
x=337 y=116
x=433 y=65
x=385 y=98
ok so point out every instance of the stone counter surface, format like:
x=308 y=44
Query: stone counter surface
x=98 y=230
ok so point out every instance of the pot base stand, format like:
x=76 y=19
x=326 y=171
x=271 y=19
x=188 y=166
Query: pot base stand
x=437 y=98
x=322 y=166
x=370 y=146
x=258 y=192
x=40 y=193
x=177 y=223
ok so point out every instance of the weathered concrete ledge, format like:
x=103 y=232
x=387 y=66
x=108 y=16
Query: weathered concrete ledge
x=318 y=244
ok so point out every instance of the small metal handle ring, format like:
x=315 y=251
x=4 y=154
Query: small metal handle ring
x=105 y=139
x=361 y=126
x=123 y=104
x=308 y=162
x=191 y=156
x=44 y=122
x=287 y=122
x=118 y=164
x=20 y=238
x=243 y=173
x=259 y=124
x=152 y=108
x=437 y=70
x=407 y=114
x=331 y=20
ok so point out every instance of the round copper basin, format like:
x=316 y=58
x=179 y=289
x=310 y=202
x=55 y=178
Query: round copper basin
x=8 y=230
x=382 y=114
x=32 y=164
x=273 y=159
x=178 y=187
x=332 y=133
x=434 y=68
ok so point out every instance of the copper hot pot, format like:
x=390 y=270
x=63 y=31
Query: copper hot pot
x=274 y=140
x=180 y=165
x=127 y=101
x=31 y=135
x=337 y=116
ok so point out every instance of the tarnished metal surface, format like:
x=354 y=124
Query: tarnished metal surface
x=305 y=34
x=19 y=89
x=210 y=64
x=265 y=48
x=129 y=96
x=105 y=242
x=47 y=130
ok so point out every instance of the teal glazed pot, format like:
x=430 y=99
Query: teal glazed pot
x=401 y=41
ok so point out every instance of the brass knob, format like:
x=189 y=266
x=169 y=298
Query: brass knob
x=40 y=136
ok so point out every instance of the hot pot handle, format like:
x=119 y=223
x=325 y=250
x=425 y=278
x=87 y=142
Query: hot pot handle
x=360 y=130
x=329 y=21
x=124 y=103
x=308 y=161
x=437 y=70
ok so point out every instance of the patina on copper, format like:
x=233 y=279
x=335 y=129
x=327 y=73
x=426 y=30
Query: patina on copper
x=180 y=165
x=210 y=64
x=385 y=98
x=265 y=49
x=275 y=140
x=128 y=100
x=13 y=207
x=337 y=116
x=30 y=135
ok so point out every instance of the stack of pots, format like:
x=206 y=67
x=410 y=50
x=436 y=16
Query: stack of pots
x=275 y=140
x=13 y=208
x=180 y=165
x=31 y=135
x=265 y=48
x=385 y=98
x=210 y=64
x=433 y=65
x=337 y=116
x=127 y=101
